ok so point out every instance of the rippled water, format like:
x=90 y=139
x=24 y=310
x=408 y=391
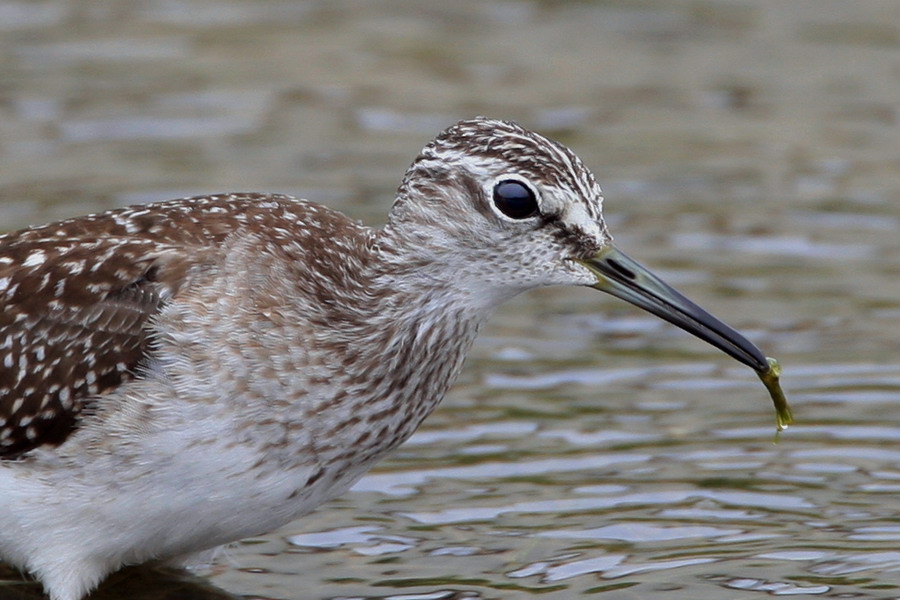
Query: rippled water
x=750 y=152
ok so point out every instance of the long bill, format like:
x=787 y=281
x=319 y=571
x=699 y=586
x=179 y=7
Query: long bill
x=625 y=278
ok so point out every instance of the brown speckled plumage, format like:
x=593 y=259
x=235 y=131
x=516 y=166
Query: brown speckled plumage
x=78 y=297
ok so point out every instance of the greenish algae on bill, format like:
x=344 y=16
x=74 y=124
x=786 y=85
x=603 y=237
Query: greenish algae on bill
x=771 y=379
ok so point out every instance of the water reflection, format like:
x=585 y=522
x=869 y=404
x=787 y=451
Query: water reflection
x=404 y=483
x=581 y=505
x=147 y=582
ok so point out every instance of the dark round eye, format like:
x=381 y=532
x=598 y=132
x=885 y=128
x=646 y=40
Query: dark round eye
x=515 y=199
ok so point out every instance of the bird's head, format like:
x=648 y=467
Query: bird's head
x=498 y=209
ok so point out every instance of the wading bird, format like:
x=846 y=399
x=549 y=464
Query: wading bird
x=181 y=375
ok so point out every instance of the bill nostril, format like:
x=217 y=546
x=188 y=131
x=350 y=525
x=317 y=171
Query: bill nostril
x=621 y=269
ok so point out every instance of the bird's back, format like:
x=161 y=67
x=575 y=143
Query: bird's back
x=79 y=298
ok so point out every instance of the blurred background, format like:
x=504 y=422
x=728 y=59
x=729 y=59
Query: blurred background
x=749 y=151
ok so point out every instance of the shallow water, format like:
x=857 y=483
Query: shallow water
x=750 y=153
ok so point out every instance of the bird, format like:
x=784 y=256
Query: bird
x=180 y=375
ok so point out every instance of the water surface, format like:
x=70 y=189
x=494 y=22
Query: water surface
x=749 y=151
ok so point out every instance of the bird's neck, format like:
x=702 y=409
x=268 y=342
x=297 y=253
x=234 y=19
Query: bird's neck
x=418 y=259
x=407 y=350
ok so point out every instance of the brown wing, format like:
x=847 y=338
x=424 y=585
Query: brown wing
x=77 y=296
x=72 y=326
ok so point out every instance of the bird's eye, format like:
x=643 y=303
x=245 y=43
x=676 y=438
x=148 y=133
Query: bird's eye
x=515 y=199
